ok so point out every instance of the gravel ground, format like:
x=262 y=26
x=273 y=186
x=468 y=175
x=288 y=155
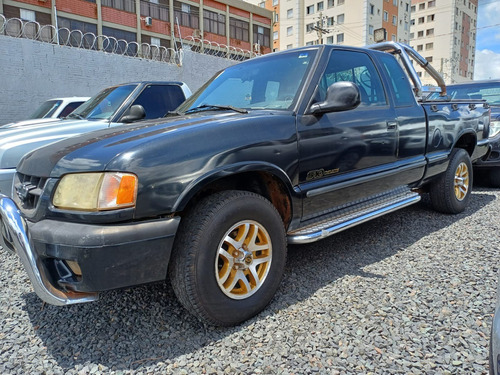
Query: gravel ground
x=412 y=292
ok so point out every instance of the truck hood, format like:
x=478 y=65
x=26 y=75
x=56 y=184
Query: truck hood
x=29 y=122
x=121 y=148
x=17 y=140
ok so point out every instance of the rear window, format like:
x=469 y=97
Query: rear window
x=489 y=91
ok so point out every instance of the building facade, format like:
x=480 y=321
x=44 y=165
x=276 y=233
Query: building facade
x=349 y=22
x=157 y=22
x=444 y=33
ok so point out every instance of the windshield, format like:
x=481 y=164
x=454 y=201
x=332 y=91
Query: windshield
x=103 y=105
x=46 y=109
x=272 y=82
x=489 y=91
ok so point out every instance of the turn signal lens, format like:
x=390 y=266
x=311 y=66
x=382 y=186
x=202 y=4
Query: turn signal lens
x=96 y=191
x=118 y=190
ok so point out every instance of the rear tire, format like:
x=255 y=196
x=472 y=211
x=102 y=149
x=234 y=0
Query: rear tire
x=450 y=193
x=229 y=257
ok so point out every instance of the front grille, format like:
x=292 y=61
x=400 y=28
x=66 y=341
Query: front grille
x=28 y=190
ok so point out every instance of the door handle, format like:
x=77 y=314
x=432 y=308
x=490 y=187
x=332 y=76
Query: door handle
x=392 y=124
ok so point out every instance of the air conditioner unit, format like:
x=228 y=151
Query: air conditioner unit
x=148 y=21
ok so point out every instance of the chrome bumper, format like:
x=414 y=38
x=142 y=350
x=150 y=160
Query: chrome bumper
x=14 y=236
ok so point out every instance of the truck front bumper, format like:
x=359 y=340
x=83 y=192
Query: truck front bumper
x=70 y=263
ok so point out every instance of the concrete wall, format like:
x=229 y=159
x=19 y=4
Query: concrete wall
x=32 y=72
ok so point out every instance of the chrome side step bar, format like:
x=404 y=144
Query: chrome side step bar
x=348 y=217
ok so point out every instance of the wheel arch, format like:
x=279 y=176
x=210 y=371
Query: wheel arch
x=467 y=141
x=263 y=179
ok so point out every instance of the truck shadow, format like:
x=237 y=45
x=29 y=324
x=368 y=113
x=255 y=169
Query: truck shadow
x=146 y=326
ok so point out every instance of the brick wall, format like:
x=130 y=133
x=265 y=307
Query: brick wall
x=53 y=71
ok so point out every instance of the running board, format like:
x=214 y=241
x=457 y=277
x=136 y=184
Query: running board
x=348 y=217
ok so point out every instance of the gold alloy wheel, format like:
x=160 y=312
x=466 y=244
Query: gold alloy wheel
x=461 y=181
x=243 y=260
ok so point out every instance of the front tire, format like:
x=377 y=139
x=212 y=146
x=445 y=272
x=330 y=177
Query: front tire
x=450 y=193
x=229 y=257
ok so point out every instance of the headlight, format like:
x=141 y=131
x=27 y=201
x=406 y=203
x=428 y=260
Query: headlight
x=494 y=128
x=96 y=191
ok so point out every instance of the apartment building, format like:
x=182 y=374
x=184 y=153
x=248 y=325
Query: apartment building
x=444 y=33
x=349 y=22
x=158 y=22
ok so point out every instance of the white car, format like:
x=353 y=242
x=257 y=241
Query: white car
x=52 y=110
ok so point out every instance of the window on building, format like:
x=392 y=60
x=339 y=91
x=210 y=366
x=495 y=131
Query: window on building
x=27 y=15
x=275 y=2
x=406 y=27
x=319 y=6
x=309 y=27
x=126 y=5
x=429 y=32
x=310 y=9
x=154 y=10
x=188 y=15
x=393 y=38
x=429 y=46
x=340 y=38
x=310 y=44
x=430 y=18
x=329 y=40
x=394 y=20
x=420 y=47
x=370 y=29
x=340 y=2
x=155 y=41
x=412 y=22
x=431 y=4
x=119 y=34
x=289 y=13
x=262 y=4
x=421 y=20
x=330 y=21
x=330 y=3
x=413 y=9
x=386 y=16
x=239 y=29
x=429 y=58
x=275 y=35
x=412 y=35
x=340 y=19
x=289 y=46
x=261 y=35
x=372 y=9
x=420 y=34
x=421 y=6
x=289 y=30
x=214 y=22
x=84 y=27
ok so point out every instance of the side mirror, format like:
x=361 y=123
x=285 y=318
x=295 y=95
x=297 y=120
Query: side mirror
x=134 y=113
x=341 y=96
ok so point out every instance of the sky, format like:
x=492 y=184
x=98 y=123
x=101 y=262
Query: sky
x=488 y=40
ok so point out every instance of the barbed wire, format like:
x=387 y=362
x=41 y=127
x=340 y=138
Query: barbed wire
x=18 y=28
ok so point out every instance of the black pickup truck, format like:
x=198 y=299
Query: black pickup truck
x=290 y=147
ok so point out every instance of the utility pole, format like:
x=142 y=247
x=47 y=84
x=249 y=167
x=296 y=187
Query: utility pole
x=320 y=29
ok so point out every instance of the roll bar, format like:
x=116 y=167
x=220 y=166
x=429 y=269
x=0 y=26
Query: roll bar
x=405 y=51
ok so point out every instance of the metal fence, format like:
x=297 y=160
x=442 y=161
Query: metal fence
x=17 y=28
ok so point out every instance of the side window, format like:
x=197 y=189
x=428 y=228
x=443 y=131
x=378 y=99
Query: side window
x=69 y=108
x=403 y=94
x=356 y=67
x=157 y=100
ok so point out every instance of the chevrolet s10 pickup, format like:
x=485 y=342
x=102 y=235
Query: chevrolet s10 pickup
x=290 y=147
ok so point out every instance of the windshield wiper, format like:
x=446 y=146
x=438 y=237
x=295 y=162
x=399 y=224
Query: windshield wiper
x=208 y=107
x=173 y=113
x=75 y=115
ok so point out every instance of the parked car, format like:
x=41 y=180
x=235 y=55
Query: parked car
x=495 y=339
x=488 y=90
x=116 y=105
x=258 y=157
x=51 y=110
